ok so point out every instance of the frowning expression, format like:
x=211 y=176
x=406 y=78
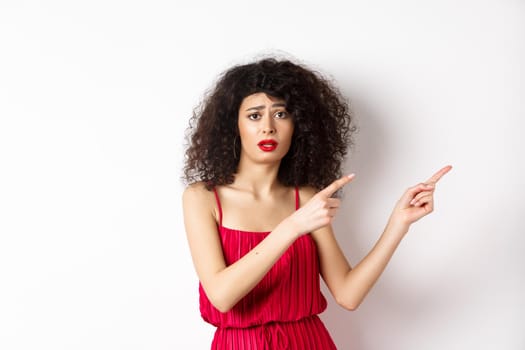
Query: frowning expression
x=265 y=128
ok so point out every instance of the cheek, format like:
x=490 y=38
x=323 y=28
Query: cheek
x=288 y=138
x=247 y=132
x=289 y=133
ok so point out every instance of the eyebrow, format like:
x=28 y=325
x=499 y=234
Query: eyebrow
x=279 y=104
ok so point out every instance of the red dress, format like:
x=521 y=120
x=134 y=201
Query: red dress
x=281 y=310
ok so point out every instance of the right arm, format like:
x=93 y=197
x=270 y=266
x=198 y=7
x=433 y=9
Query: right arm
x=226 y=285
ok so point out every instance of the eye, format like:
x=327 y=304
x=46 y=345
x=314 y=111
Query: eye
x=254 y=116
x=281 y=114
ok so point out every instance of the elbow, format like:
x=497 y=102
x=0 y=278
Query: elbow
x=221 y=306
x=220 y=302
x=348 y=303
x=219 y=295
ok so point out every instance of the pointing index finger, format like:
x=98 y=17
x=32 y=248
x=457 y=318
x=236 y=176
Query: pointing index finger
x=435 y=178
x=336 y=185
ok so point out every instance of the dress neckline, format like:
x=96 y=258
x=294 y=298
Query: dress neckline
x=241 y=231
x=232 y=229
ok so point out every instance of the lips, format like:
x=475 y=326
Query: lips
x=268 y=145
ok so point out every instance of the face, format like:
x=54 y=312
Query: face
x=265 y=128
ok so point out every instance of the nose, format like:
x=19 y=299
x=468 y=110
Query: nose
x=268 y=127
x=268 y=130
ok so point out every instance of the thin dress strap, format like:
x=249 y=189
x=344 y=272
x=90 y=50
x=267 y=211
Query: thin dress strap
x=219 y=205
x=296 y=198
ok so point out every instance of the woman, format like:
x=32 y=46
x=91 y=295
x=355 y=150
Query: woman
x=264 y=161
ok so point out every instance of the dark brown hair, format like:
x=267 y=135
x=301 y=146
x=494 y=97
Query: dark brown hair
x=322 y=119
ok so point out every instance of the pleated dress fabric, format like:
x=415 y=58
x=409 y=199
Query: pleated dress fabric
x=281 y=311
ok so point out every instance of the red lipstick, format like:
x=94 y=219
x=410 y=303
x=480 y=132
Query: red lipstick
x=267 y=145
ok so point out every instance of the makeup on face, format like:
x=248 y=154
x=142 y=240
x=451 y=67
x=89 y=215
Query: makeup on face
x=265 y=126
x=268 y=145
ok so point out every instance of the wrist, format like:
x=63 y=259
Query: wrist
x=291 y=228
x=397 y=227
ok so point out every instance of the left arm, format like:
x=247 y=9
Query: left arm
x=348 y=285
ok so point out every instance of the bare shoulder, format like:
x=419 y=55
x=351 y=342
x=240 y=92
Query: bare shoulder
x=196 y=195
x=200 y=210
x=195 y=191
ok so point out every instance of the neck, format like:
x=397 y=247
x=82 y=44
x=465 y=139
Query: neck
x=257 y=178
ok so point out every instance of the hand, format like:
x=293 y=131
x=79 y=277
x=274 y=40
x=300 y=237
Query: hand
x=416 y=202
x=320 y=210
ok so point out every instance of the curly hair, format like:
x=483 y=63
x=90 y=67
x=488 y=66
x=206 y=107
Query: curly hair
x=323 y=125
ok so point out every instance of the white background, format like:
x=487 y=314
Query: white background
x=94 y=100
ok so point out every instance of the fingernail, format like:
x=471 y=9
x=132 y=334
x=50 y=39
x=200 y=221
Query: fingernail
x=350 y=176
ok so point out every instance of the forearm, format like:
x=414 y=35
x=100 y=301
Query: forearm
x=232 y=283
x=363 y=276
